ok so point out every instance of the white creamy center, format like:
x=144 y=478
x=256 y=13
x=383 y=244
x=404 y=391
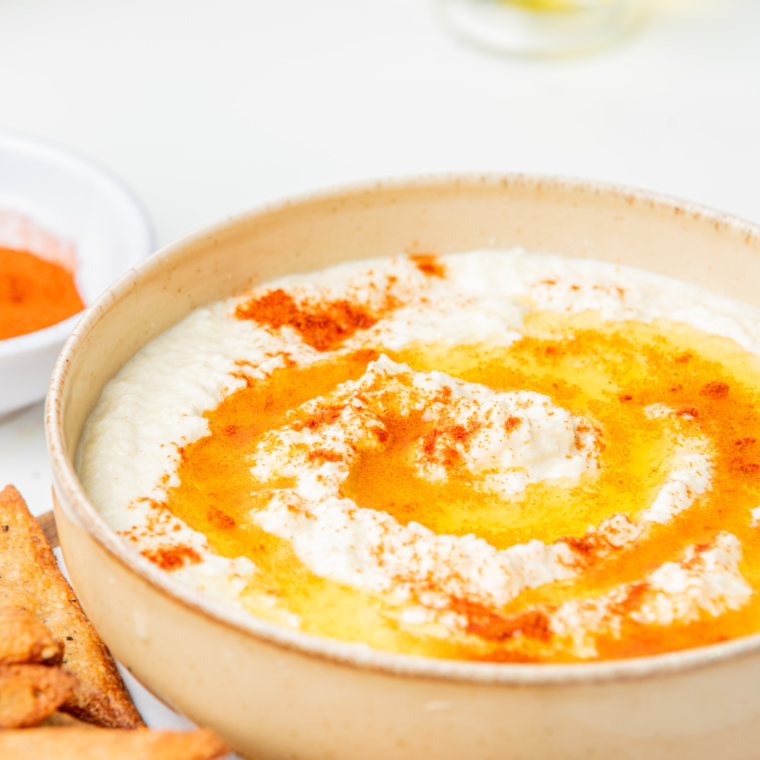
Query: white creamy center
x=519 y=437
x=516 y=438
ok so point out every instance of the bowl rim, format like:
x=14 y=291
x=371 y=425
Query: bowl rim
x=79 y=509
x=62 y=155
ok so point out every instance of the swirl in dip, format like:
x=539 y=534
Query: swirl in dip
x=490 y=455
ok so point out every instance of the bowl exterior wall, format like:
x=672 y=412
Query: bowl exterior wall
x=273 y=700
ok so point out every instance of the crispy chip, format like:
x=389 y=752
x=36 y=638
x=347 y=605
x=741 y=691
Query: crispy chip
x=29 y=693
x=23 y=638
x=100 y=743
x=65 y=720
x=31 y=580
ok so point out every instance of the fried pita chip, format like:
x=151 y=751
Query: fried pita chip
x=99 y=743
x=30 y=579
x=23 y=638
x=29 y=693
x=65 y=720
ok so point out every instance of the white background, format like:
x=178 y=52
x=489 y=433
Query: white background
x=205 y=108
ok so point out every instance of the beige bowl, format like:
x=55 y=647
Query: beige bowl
x=276 y=693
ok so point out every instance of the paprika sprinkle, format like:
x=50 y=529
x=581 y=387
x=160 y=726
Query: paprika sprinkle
x=34 y=293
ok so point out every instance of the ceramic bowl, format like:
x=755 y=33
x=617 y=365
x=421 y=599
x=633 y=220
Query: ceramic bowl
x=61 y=206
x=277 y=693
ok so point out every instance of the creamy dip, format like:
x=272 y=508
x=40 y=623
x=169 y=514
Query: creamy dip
x=489 y=455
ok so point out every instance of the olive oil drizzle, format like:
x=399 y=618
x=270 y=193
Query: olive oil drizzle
x=608 y=372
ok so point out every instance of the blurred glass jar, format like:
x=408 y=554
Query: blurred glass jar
x=542 y=27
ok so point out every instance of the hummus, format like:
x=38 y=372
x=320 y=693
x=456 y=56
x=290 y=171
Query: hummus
x=490 y=455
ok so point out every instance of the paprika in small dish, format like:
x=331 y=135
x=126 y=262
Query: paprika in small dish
x=34 y=293
x=68 y=229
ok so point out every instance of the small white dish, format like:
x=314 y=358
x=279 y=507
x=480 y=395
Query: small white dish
x=60 y=205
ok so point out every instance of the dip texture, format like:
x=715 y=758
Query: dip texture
x=490 y=455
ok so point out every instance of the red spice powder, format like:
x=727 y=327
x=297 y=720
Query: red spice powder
x=460 y=433
x=172 y=557
x=715 y=389
x=324 y=415
x=323 y=326
x=34 y=293
x=741 y=464
x=428 y=264
x=493 y=627
x=325 y=456
x=632 y=600
x=512 y=423
x=220 y=519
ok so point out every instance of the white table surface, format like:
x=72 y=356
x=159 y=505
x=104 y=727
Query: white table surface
x=207 y=108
